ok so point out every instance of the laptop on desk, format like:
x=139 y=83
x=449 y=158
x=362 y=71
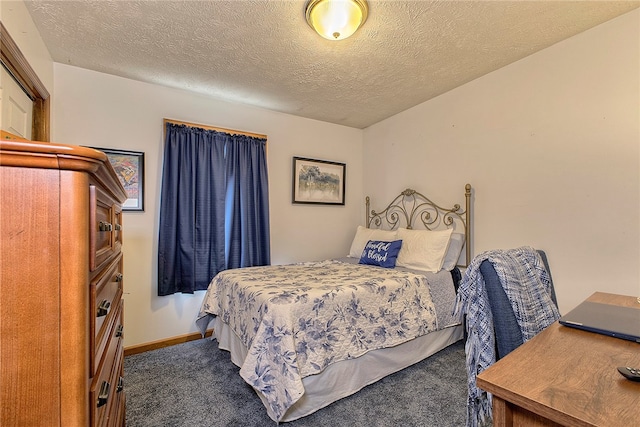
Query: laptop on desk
x=606 y=319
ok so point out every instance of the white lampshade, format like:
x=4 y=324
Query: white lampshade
x=336 y=19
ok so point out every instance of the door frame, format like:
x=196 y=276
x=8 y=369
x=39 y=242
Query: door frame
x=13 y=59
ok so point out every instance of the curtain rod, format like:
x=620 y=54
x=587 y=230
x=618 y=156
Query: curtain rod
x=219 y=129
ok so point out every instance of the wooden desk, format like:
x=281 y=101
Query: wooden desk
x=568 y=377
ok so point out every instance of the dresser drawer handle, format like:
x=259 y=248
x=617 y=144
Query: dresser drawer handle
x=119 y=277
x=118 y=227
x=105 y=226
x=119 y=331
x=120 y=385
x=103 y=308
x=104 y=394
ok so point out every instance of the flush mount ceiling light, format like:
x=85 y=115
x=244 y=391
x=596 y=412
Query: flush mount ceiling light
x=336 y=19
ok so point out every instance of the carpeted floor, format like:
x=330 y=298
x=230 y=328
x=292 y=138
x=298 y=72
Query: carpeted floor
x=195 y=384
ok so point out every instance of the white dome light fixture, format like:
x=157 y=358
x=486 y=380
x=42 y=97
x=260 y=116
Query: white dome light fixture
x=336 y=19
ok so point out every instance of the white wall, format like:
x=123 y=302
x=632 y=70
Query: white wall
x=111 y=112
x=551 y=145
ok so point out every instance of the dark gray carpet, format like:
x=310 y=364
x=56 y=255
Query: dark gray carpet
x=195 y=384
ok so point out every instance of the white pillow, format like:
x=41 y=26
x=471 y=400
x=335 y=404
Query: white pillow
x=363 y=235
x=423 y=249
x=453 y=253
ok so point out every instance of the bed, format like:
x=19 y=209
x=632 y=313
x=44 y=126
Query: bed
x=305 y=335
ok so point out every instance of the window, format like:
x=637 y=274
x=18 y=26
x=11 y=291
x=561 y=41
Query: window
x=214 y=207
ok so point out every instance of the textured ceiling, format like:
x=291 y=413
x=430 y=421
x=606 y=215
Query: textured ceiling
x=263 y=53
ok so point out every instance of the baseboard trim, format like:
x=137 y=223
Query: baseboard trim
x=167 y=342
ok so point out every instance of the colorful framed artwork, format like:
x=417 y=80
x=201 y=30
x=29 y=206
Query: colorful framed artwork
x=129 y=167
x=318 y=181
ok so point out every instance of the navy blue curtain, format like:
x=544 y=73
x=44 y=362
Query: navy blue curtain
x=214 y=207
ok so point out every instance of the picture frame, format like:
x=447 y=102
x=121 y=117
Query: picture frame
x=129 y=167
x=319 y=182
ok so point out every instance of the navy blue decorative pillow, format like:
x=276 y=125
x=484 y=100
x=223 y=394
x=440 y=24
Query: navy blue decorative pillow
x=380 y=253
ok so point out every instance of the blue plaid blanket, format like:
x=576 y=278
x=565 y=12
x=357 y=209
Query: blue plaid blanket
x=527 y=284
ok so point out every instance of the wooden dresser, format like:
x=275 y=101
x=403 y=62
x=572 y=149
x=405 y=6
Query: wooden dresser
x=61 y=308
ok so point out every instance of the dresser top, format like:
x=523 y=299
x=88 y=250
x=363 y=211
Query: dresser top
x=569 y=376
x=16 y=152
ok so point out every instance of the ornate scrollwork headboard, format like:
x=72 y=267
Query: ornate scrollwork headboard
x=411 y=209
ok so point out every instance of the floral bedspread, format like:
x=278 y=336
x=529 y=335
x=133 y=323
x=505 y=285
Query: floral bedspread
x=298 y=319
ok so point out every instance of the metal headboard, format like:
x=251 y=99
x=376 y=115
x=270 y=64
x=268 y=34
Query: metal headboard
x=411 y=208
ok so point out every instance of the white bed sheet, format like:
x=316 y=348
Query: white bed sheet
x=346 y=377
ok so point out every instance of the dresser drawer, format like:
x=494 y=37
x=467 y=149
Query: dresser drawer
x=117 y=412
x=106 y=293
x=107 y=385
x=105 y=224
x=117 y=228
